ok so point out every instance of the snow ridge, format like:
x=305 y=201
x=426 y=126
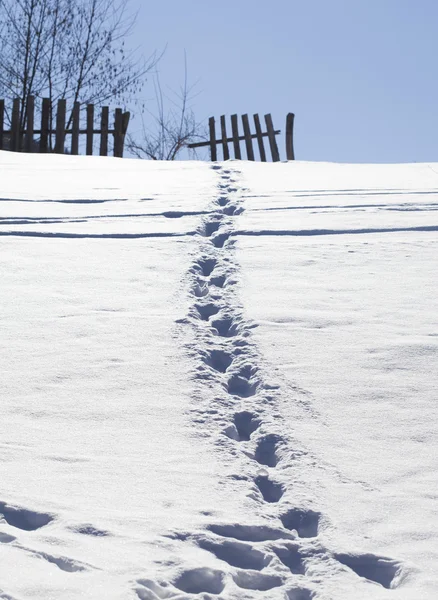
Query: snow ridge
x=280 y=550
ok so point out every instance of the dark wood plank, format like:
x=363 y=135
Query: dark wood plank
x=45 y=120
x=15 y=126
x=90 y=125
x=271 y=137
x=225 y=148
x=75 y=128
x=125 y=122
x=236 y=143
x=2 y=122
x=118 y=143
x=248 y=140
x=60 y=126
x=104 y=126
x=290 y=154
x=260 y=136
x=212 y=129
x=30 y=116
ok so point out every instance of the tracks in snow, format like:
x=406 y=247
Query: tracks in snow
x=281 y=551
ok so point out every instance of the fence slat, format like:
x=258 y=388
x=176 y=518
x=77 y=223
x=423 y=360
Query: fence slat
x=2 y=121
x=125 y=122
x=90 y=124
x=60 y=127
x=213 y=149
x=290 y=154
x=45 y=119
x=104 y=125
x=118 y=133
x=271 y=137
x=75 y=116
x=260 y=138
x=236 y=143
x=224 y=138
x=15 y=126
x=248 y=140
x=30 y=115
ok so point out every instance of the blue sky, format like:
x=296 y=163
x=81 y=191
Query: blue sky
x=360 y=75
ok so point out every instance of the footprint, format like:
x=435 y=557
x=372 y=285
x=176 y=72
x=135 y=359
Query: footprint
x=207 y=310
x=203 y=579
x=250 y=533
x=219 y=239
x=266 y=450
x=246 y=423
x=299 y=594
x=220 y=360
x=257 y=581
x=291 y=557
x=305 y=522
x=237 y=554
x=200 y=291
x=211 y=227
x=271 y=491
x=242 y=384
x=207 y=266
x=5 y=538
x=379 y=569
x=22 y=518
x=225 y=327
x=150 y=590
x=223 y=200
x=218 y=281
x=90 y=530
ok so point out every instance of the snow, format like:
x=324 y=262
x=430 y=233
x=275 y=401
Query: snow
x=218 y=380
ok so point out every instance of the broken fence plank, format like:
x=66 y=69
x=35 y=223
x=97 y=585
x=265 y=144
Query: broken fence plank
x=248 y=140
x=225 y=148
x=272 y=141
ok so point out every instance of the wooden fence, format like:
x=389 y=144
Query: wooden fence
x=21 y=135
x=248 y=138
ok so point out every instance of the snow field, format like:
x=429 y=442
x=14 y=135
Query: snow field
x=208 y=397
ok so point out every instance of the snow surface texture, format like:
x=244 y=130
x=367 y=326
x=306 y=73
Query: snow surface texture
x=218 y=380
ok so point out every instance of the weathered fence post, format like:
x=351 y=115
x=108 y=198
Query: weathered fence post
x=15 y=126
x=45 y=119
x=90 y=125
x=260 y=138
x=224 y=138
x=2 y=120
x=290 y=155
x=117 y=132
x=104 y=124
x=236 y=142
x=30 y=113
x=248 y=140
x=75 y=128
x=60 y=127
x=271 y=137
x=213 y=149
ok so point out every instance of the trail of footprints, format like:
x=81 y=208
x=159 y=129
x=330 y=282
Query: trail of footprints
x=283 y=557
x=278 y=560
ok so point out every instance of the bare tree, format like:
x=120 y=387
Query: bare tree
x=70 y=49
x=171 y=127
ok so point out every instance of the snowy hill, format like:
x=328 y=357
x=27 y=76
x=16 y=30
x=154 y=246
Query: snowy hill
x=218 y=381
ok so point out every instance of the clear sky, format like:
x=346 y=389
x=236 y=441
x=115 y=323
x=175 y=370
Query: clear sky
x=360 y=75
